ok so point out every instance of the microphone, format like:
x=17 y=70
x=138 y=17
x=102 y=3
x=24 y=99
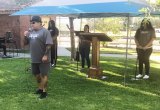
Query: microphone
x=30 y=29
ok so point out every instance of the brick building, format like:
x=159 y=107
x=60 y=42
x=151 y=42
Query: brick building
x=15 y=24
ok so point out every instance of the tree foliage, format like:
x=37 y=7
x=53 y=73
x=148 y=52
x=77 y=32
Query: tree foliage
x=108 y=24
x=158 y=2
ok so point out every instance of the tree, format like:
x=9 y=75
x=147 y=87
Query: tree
x=105 y=25
x=158 y=2
x=108 y=25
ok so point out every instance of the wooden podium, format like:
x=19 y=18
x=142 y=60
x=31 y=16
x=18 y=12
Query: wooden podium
x=95 y=71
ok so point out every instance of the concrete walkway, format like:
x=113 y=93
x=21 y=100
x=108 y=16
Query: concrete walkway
x=153 y=58
x=62 y=51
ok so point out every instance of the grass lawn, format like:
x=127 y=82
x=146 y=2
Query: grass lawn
x=71 y=90
x=109 y=50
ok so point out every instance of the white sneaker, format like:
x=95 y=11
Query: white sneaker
x=139 y=76
x=145 y=77
x=87 y=76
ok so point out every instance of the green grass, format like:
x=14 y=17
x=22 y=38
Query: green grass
x=116 y=51
x=71 y=90
x=109 y=50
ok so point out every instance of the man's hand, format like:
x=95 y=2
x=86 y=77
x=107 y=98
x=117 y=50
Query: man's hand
x=26 y=40
x=45 y=58
x=26 y=33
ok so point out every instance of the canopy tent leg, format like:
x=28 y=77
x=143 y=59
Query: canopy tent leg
x=126 y=56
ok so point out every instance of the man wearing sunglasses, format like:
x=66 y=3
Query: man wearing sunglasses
x=40 y=42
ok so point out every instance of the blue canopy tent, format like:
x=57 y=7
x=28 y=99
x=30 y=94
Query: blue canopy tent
x=84 y=8
x=87 y=9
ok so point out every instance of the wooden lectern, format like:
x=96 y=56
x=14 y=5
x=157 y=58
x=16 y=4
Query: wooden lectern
x=95 y=71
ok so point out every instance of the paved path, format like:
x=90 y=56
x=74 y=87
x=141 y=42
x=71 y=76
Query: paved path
x=153 y=58
x=62 y=51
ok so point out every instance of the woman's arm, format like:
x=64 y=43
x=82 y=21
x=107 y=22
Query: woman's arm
x=136 y=41
x=153 y=37
x=149 y=43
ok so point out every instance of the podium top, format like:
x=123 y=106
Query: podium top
x=78 y=32
x=88 y=36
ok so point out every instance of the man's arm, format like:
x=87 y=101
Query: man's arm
x=48 y=48
x=26 y=39
x=45 y=57
x=135 y=39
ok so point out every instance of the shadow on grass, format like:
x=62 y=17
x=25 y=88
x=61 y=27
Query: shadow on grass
x=71 y=90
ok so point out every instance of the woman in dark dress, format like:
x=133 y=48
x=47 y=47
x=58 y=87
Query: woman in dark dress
x=144 y=38
x=54 y=33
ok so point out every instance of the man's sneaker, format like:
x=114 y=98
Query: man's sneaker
x=43 y=95
x=145 y=77
x=39 y=91
x=139 y=76
x=52 y=65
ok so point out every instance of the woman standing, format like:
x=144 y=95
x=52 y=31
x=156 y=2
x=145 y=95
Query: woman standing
x=84 y=48
x=54 y=33
x=144 y=38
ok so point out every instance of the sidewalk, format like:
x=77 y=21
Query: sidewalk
x=153 y=58
x=62 y=51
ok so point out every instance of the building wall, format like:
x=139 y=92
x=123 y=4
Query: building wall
x=8 y=23
x=12 y=24
x=24 y=26
x=17 y=25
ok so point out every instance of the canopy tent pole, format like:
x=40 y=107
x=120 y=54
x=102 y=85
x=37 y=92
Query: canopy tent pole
x=81 y=24
x=126 y=56
x=77 y=52
x=59 y=26
x=94 y=25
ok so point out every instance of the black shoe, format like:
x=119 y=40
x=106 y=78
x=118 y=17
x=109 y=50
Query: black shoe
x=39 y=91
x=43 y=95
x=82 y=70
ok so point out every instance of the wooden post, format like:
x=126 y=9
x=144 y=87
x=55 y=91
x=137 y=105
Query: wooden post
x=95 y=52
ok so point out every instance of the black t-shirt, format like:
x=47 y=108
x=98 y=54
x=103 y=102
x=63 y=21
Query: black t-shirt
x=54 y=32
x=144 y=36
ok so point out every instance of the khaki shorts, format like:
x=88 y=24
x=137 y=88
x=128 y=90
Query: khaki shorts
x=40 y=68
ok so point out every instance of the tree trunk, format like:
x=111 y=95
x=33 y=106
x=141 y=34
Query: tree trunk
x=72 y=38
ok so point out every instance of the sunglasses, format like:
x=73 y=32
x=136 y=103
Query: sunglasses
x=33 y=22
